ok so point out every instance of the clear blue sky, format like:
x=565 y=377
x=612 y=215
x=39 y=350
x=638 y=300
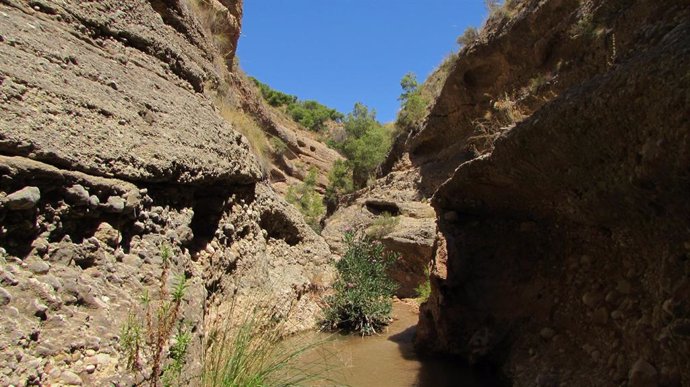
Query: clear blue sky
x=339 y=52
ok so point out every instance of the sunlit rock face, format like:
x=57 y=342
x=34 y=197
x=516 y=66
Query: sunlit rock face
x=118 y=178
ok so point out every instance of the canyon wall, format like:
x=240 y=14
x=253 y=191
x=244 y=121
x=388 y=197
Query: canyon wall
x=559 y=157
x=116 y=173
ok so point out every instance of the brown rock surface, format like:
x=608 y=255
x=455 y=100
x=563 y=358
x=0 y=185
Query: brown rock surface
x=106 y=131
x=576 y=210
x=109 y=88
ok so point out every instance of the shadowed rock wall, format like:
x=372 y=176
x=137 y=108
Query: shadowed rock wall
x=563 y=247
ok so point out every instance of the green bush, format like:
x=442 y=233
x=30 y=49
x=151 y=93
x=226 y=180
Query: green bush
x=363 y=291
x=308 y=201
x=339 y=181
x=366 y=144
x=274 y=98
x=147 y=333
x=424 y=289
x=413 y=103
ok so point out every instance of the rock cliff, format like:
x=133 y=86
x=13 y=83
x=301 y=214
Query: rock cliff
x=559 y=156
x=111 y=154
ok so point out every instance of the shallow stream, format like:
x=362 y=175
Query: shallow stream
x=389 y=359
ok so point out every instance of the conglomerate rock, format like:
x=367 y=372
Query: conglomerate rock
x=117 y=179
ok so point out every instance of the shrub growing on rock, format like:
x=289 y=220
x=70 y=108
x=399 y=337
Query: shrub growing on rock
x=414 y=103
x=162 y=328
x=383 y=225
x=470 y=35
x=308 y=201
x=362 y=301
x=339 y=182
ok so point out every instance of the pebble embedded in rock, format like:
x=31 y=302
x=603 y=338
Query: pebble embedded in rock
x=138 y=227
x=69 y=377
x=132 y=260
x=40 y=246
x=184 y=234
x=7 y=278
x=23 y=199
x=78 y=194
x=39 y=309
x=107 y=234
x=547 y=333
x=5 y=297
x=590 y=299
x=114 y=204
x=94 y=201
x=53 y=281
x=37 y=266
x=643 y=374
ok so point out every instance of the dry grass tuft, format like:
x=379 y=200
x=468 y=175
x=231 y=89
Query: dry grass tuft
x=252 y=349
x=502 y=116
x=244 y=124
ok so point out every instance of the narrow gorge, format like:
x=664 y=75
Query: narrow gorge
x=543 y=195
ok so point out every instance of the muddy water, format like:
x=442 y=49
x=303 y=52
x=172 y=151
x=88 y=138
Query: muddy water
x=389 y=359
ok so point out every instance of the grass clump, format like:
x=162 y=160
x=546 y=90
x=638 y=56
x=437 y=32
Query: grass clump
x=254 y=352
x=383 y=225
x=146 y=343
x=244 y=124
x=279 y=146
x=423 y=290
x=308 y=201
x=470 y=35
x=363 y=291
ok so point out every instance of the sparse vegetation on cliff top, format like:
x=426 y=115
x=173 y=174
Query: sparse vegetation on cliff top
x=310 y=114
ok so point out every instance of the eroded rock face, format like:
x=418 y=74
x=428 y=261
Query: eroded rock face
x=111 y=154
x=302 y=153
x=111 y=89
x=561 y=255
x=410 y=231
